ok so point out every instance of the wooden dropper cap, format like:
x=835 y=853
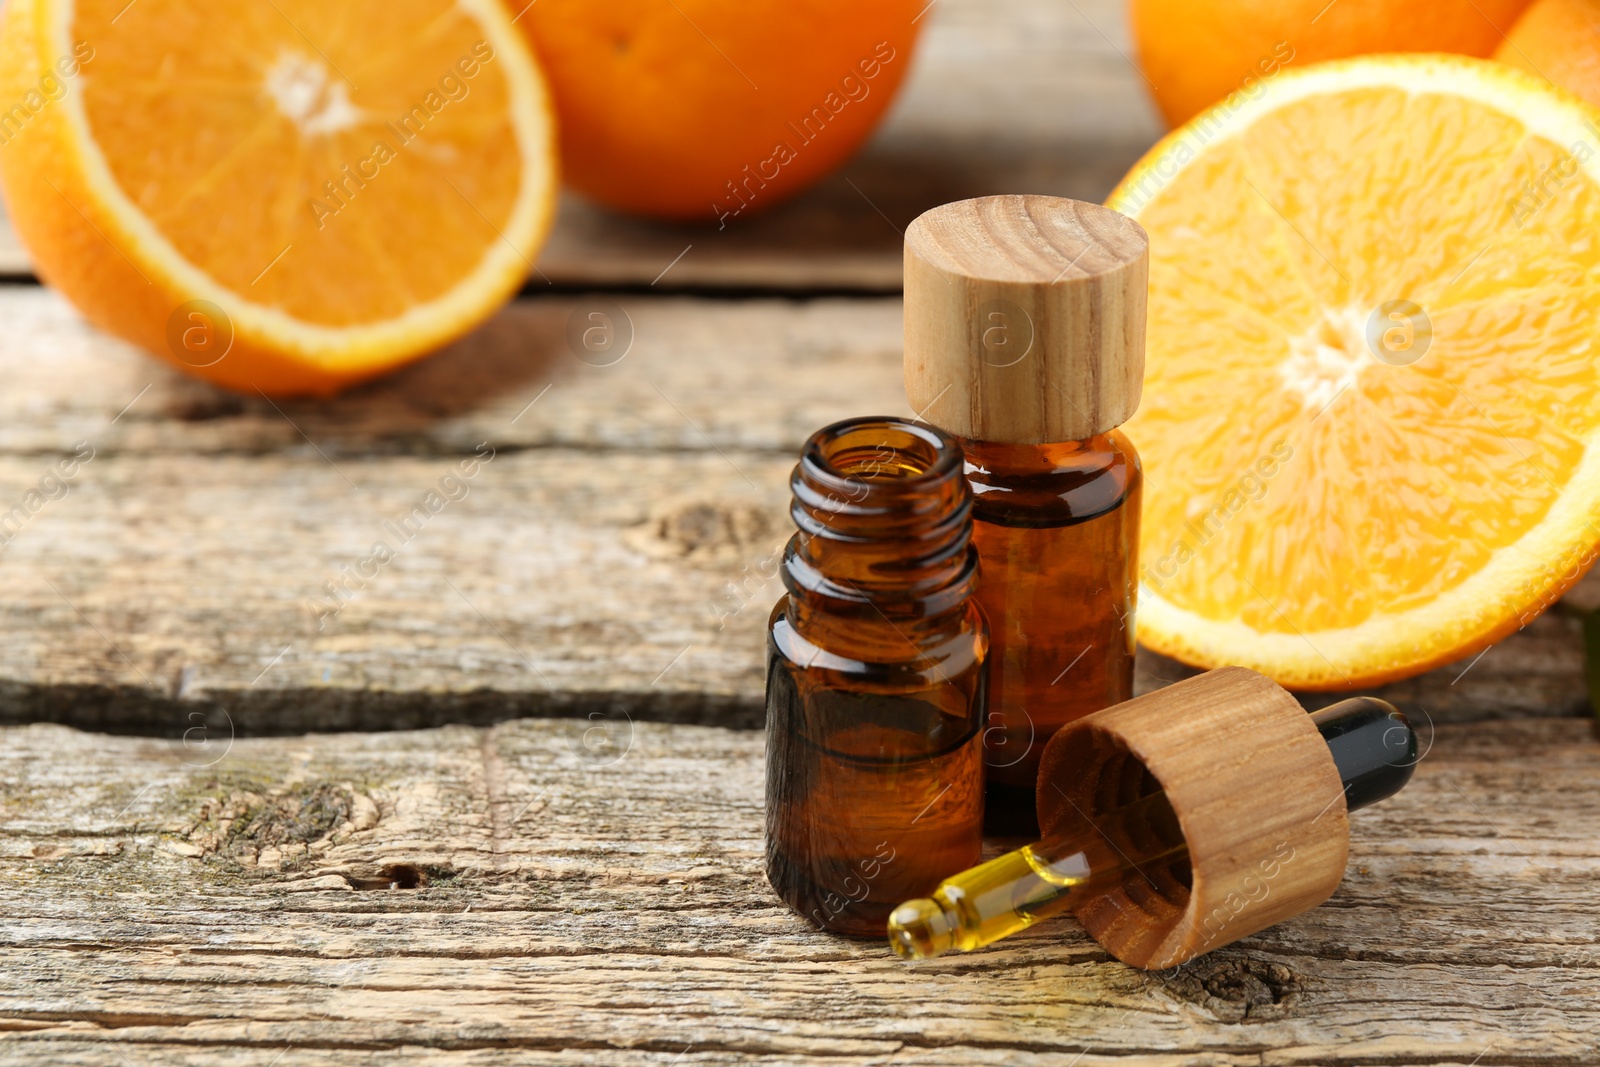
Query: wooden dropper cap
x=1258 y=794
x=1025 y=318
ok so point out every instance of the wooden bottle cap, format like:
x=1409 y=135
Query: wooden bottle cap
x=1025 y=318
x=1257 y=794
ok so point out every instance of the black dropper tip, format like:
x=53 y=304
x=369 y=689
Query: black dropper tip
x=1373 y=746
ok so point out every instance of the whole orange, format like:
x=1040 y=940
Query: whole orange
x=1558 y=40
x=715 y=109
x=1196 y=52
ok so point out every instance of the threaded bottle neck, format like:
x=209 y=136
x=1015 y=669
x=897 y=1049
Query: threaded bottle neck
x=885 y=522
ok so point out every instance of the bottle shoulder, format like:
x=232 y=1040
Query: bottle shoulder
x=1052 y=484
x=881 y=650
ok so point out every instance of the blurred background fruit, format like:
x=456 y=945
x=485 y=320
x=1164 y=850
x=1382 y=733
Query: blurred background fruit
x=1371 y=414
x=1196 y=52
x=1559 y=40
x=716 y=109
x=270 y=214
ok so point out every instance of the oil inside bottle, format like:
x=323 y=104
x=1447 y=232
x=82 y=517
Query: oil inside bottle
x=871 y=797
x=1057 y=531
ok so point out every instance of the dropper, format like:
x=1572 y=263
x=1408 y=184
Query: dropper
x=1373 y=747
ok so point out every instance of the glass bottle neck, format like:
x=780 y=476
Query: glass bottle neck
x=1058 y=482
x=1088 y=455
x=884 y=518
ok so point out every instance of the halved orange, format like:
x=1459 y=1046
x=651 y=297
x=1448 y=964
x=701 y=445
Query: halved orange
x=1372 y=401
x=289 y=195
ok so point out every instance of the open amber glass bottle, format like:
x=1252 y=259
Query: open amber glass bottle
x=876 y=677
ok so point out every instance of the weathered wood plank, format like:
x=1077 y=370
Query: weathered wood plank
x=749 y=375
x=1004 y=96
x=617 y=551
x=590 y=901
x=589 y=556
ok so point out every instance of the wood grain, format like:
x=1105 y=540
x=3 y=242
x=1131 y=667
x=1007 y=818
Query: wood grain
x=583 y=901
x=618 y=551
x=1068 y=117
x=588 y=889
x=1025 y=318
x=1254 y=787
x=618 y=547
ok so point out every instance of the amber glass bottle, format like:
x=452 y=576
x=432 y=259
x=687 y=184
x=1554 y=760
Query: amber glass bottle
x=1025 y=338
x=876 y=677
x=1057 y=530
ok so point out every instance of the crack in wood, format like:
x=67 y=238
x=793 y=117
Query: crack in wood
x=129 y=711
x=494 y=789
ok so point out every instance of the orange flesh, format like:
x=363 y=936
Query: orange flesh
x=1388 y=485
x=268 y=117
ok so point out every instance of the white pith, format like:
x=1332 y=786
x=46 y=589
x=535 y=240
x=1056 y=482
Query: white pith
x=310 y=95
x=1327 y=359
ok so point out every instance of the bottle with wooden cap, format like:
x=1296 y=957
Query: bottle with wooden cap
x=1024 y=338
x=1180 y=822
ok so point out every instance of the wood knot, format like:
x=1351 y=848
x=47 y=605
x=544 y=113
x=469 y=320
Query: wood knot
x=391 y=877
x=279 y=828
x=700 y=530
x=1235 y=989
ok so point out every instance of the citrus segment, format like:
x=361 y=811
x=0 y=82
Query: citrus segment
x=349 y=185
x=1369 y=413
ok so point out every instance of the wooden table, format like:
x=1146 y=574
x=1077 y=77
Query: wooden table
x=527 y=827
